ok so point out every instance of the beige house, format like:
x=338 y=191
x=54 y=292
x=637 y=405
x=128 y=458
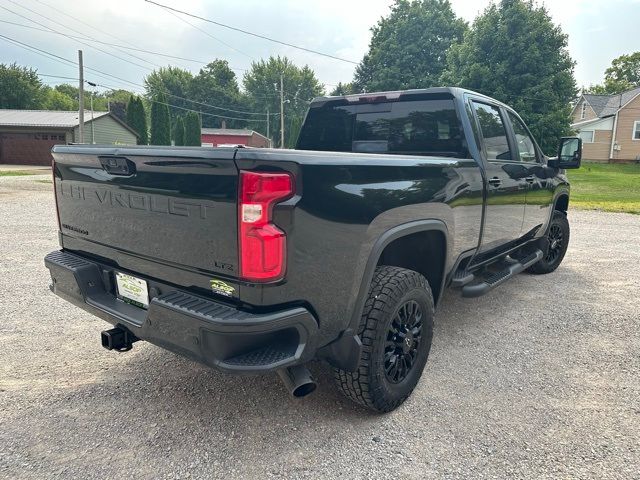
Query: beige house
x=609 y=126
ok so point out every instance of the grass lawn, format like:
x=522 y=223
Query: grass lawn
x=14 y=173
x=604 y=186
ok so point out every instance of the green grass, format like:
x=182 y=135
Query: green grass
x=13 y=173
x=607 y=187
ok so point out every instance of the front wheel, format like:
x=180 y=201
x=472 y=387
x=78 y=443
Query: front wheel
x=396 y=330
x=558 y=236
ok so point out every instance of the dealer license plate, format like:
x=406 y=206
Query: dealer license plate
x=132 y=290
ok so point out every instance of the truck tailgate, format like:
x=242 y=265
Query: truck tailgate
x=175 y=206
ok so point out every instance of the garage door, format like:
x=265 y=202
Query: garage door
x=28 y=148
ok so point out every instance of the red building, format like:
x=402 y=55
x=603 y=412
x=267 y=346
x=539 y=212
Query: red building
x=213 y=137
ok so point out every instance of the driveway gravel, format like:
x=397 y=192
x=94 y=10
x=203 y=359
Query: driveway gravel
x=538 y=379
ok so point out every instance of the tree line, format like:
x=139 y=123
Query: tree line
x=174 y=98
x=512 y=51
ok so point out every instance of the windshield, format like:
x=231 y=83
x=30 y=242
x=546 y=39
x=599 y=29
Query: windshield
x=422 y=127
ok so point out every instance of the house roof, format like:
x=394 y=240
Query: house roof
x=45 y=118
x=597 y=123
x=597 y=102
x=239 y=132
x=606 y=105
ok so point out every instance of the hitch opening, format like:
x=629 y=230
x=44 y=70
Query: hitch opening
x=118 y=339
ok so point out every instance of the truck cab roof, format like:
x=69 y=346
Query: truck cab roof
x=395 y=95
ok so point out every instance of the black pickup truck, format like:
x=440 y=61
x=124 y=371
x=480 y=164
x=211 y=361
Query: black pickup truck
x=259 y=260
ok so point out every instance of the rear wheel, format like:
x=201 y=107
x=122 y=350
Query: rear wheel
x=396 y=329
x=558 y=236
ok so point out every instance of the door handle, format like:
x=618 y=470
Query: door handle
x=530 y=179
x=117 y=165
x=494 y=182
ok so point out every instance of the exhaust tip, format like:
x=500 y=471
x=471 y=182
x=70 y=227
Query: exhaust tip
x=304 y=389
x=298 y=380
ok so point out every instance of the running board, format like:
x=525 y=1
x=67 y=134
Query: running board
x=462 y=278
x=498 y=278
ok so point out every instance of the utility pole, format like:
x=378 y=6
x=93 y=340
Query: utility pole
x=268 y=135
x=81 y=98
x=93 y=133
x=281 y=111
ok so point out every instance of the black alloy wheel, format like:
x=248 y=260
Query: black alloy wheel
x=556 y=243
x=403 y=340
x=396 y=329
x=558 y=237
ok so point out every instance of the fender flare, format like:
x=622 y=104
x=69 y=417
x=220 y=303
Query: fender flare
x=376 y=251
x=344 y=353
x=564 y=192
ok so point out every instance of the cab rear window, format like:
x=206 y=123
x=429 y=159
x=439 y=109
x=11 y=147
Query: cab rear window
x=422 y=127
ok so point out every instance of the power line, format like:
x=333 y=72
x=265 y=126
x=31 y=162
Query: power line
x=166 y=7
x=39 y=51
x=117 y=46
x=68 y=36
x=196 y=111
x=57 y=76
x=174 y=57
x=101 y=73
x=209 y=35
x=57 y=10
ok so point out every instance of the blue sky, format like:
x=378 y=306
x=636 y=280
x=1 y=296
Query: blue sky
x=598 y=31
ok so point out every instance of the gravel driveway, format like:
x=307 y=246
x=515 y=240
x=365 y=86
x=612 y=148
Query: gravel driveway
x=538 y=379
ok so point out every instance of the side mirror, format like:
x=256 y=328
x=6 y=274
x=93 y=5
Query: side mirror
x=569 y=153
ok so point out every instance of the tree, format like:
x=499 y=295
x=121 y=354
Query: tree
x=160 y=121
x=171 y=82
x=20 y=87
x=116 y=102
x=216 y=85
x=262 y=85
x=178 y=132
x=343 y=89
x=68 y=90
x=55 y=100
x=516 y=54
x=192 y=132
x=622 y=75
x=408 y=48
x=595 y=90
x=137 y=119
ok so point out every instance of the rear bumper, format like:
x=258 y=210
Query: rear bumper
x=199 y=328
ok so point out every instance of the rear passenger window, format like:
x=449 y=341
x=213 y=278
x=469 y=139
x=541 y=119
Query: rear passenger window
x=493 y=132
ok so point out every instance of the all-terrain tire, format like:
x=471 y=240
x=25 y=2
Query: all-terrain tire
x=558 y=235
x=394 y=296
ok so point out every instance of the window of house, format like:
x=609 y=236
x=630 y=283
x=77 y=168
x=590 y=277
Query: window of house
x=636 y=130
x=583 y=112
x=586 y=136
x=46 y=136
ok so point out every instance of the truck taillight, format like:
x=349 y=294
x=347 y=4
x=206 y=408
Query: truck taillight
x=55 y=192
x=262 y=245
